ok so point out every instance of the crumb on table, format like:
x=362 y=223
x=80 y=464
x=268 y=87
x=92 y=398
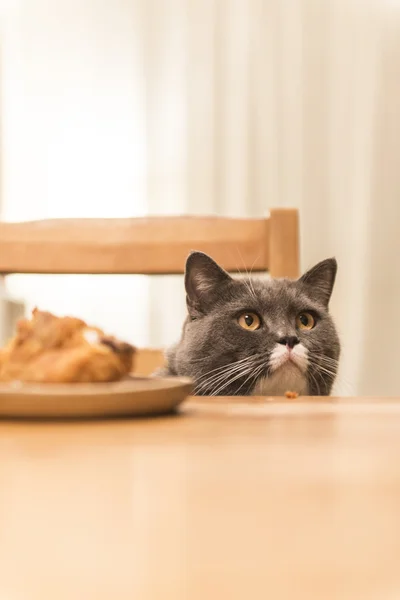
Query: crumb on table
x=291 y=395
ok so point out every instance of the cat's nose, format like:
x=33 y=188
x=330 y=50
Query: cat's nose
x=289 y=340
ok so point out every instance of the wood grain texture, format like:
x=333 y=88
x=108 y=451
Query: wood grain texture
x=284 y=243
x=245 y=500
x=143 y=246
x=150 y=245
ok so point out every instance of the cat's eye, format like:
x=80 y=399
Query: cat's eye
x=249 y=321
x=305 y=321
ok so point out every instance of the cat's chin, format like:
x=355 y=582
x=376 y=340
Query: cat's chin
x=287 y=377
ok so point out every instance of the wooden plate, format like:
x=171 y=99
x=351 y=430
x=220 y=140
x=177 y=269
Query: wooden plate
x=131 y=397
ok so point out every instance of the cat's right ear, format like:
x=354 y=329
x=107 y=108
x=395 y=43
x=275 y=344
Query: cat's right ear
x=203 y=280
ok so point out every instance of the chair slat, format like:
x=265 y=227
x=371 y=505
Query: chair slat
x=142 y=246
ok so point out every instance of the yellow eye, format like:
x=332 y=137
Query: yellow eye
x=305 y=321
x=249 y=321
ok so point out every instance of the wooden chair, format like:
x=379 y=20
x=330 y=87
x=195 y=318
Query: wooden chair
x=151 y=246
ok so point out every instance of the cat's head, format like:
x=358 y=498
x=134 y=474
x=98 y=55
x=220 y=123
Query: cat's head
x=246 y=336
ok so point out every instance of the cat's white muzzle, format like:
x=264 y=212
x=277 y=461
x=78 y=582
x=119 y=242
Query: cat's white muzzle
x=282 y=355
x=288 y=369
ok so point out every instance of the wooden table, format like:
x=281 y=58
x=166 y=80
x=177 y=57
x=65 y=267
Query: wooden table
x=273 y=500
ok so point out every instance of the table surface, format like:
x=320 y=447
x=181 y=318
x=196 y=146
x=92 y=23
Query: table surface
x=228 y=500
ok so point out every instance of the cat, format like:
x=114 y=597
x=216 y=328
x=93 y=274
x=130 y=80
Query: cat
x=246 y=337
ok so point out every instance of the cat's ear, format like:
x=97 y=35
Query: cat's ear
x=203 y=281
x=320 y=280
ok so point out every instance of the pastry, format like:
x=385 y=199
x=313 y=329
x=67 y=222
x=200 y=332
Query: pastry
x=54 y=349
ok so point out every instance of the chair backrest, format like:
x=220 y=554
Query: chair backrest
x=149 y=246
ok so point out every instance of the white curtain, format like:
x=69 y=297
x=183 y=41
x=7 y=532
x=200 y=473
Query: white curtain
x=215 y=106
x=74 y=140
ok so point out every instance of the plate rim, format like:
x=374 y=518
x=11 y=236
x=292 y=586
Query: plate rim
x=93 y=388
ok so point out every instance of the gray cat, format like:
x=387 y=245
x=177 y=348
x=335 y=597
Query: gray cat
x=245 y=337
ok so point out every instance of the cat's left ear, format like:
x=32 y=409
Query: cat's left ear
x=321 y=279
x=203 y=281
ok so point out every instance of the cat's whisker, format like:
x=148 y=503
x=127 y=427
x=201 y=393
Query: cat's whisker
x=241 y=373
x=250 y=376
x=346 y=387
x=328 y=361
x=218 y=390
x=317 y=354
x=250 y=276
x=223 y=382
x=204 y=382
x=323 y=371
x=228 y=371
x=253 y=375
x=216 y=383
x=218 y=380
x=316 y=363
x=338 y=377
x=321 y=367
x=314 y=379
x=223 y=367
x=250 y=358
x=320 y=360
x=247 y=280
x=249 y=286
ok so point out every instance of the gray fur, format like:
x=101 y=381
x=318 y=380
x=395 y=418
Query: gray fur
x=213 y=343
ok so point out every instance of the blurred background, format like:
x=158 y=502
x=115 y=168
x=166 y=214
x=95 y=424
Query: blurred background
x=229 y=107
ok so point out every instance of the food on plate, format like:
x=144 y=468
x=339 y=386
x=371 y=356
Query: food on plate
x=291 y=395
x=54 y=349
